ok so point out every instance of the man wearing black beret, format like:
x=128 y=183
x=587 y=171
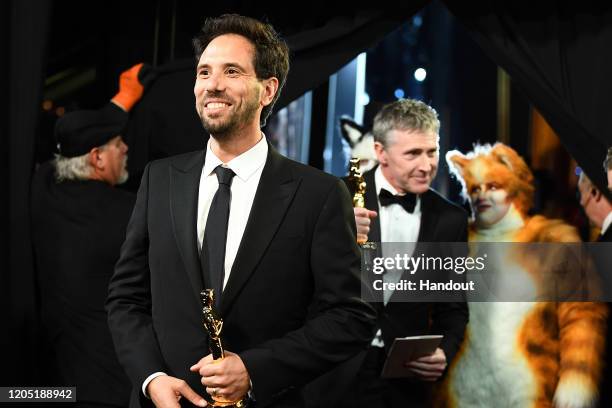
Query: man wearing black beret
x=79 y=220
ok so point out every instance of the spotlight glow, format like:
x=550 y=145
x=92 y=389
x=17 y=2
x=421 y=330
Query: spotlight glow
x=399 y=93
x=420 y=74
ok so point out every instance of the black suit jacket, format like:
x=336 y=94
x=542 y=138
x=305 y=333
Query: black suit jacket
x=291 y=307
x=602 y=263
x=441 y=221
x=78 y=228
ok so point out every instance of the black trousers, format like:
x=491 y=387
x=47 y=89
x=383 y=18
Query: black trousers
x=368 y=390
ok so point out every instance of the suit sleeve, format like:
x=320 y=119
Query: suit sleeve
x=340 y=325
x=129 y=298
x=450 y=318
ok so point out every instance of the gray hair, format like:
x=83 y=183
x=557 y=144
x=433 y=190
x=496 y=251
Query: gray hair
x=72 y=168
x=608 y=160
x=404 y=114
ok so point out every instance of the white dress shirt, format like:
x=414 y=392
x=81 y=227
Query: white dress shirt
x=248 y=168
x=606 y=223
x=396 y=225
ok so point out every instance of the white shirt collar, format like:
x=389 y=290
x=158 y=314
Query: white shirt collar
x=381 y=182
x=606 y=223
x=244 y=165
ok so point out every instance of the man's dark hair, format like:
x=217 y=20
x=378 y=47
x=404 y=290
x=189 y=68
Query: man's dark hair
x=271 y=51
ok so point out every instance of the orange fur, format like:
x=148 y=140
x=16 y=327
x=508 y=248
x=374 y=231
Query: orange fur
x=502 y=164
x=558 y=346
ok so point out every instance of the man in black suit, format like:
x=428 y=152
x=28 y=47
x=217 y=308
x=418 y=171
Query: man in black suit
x=400 y=206
x=284 y=260
x=596 y=206
x=79 y=220
x=598 y=210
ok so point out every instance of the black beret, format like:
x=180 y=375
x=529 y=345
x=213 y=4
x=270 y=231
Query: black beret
x=80 y=131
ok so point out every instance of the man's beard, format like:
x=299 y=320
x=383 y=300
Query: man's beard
x=224 y=129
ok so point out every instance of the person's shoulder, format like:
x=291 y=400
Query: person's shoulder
x=124 y=197
x=542 y=229
x=439 y=203
x=181 y=161
x=308 y=173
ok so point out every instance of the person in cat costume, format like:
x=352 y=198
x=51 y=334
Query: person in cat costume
x=520 y=354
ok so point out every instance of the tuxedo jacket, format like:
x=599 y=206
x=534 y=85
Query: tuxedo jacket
x=607 y=237
x=441 y=221
x=603 y=266
x=291 y=307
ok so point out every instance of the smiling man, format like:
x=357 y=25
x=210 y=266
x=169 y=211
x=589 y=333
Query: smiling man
x=402 y=207
x=273 y=237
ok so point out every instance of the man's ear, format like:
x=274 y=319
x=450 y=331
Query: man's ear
x=381 y=154
x=95 y=160
x=269 y=91
x=596 y=194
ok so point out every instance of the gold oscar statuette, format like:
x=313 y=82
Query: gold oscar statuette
x=358 y=184
x=213 y=325
x=356 y=180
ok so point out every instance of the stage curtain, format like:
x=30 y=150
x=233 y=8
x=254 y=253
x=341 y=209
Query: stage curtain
x=558 y=54
x=25 y=26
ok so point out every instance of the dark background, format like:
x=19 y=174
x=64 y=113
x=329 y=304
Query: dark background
x=556 y=54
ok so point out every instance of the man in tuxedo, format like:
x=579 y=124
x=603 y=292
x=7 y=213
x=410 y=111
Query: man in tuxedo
x=400 y=206
x=598 y=210
x=274 y=238
x=596 y=206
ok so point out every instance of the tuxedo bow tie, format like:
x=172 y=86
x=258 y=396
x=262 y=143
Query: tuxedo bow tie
x=407 y=201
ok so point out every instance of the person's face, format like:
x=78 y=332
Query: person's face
x=228 y=94
x=610 y=179
x=586 y=197
x=113 y=157
x=410 y=160
x=490 y=203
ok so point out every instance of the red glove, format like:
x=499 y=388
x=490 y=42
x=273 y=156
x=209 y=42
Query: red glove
x=131 y=86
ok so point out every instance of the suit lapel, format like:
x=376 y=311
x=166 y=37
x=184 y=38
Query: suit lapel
x=429 y=219
x=427 y=232
x=274 y=194
x=184 y=188
x=371 y=203
x=607 y=237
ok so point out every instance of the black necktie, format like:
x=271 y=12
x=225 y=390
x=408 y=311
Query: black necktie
x=408 y=200
x=215 y=233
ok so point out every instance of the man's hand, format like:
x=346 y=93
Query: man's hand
x=166 y=391
x=362 y=219
x=225 y=379
x=428 y=368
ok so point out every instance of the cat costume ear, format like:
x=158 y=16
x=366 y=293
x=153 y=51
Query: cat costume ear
x=351 y=131
x=514 y=162
x=505 y=155
x=457 y=162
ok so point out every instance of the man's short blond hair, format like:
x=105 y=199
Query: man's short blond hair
x=404 y=114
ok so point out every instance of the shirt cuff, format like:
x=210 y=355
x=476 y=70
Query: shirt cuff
x=250 y=394
x=148 y=380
